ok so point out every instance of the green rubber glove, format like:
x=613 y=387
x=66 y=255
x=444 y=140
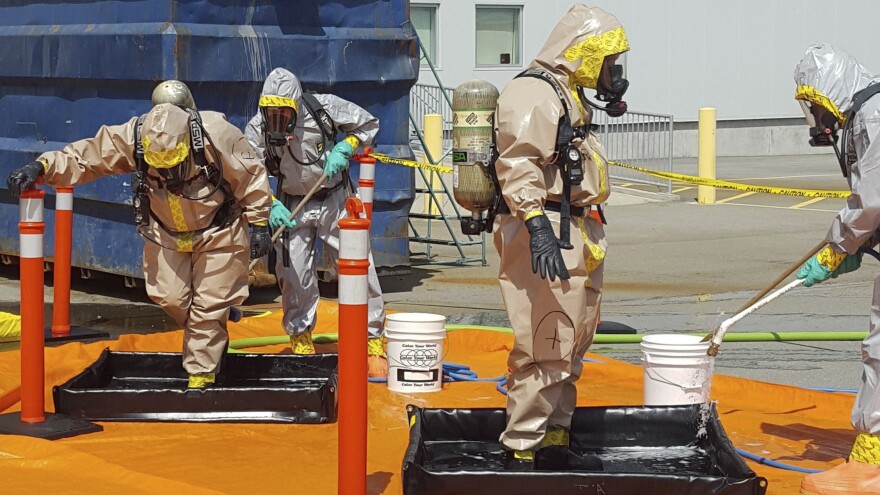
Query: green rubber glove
x=813 y=272
x=337 y=160
x=279 y=215
x=851 y=263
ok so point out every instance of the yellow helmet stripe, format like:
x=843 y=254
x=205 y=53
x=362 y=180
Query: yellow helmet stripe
x=816 y=97
x=592 y=52
x=278 y=101
x=165 y=159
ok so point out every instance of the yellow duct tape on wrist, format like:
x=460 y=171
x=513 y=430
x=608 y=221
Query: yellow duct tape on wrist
x=532 y=214
x=353 y=141
x=830 y=258
x=866 y=449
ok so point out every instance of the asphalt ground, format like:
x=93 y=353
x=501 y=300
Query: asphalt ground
x=672 y=266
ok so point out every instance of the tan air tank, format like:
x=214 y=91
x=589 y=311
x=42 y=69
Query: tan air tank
x=473 y=111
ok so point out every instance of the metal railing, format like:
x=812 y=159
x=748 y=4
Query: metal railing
x=640 y=139
x=426 y=99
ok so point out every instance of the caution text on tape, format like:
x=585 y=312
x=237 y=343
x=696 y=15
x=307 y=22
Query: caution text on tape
x=410 y=163
x=701 y=181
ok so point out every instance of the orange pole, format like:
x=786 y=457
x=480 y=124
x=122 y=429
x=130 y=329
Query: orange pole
x=63 y=247
x=354 y=238
x=367 y=181
x=31 y=228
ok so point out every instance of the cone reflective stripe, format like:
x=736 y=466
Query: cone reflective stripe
x=31 y=229
x=367 y=182
x=354 y=241
x=63 y=246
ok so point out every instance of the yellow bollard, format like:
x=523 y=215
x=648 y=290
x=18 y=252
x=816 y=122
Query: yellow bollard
x=434 y=142
x=706 y=154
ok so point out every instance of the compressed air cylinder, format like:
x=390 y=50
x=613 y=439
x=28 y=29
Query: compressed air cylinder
x=473 y=111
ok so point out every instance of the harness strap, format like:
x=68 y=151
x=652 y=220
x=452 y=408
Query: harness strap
x=564 y=135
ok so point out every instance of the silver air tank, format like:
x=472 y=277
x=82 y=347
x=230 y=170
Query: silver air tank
x=174 y=92
x=473 y=111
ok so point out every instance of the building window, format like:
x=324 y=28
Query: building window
x=424 y=19
x=498 y=35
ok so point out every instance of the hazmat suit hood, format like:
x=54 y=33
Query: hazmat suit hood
x=279 y=105
x=578 y=44
x=829 y=77
x=165 y=136
x=282 y=82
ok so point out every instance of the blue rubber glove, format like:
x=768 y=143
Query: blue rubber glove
x=337 y=160
x=279 y=215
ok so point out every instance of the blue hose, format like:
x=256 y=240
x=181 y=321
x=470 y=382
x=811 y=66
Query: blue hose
x=772 y=463
x=844 y=390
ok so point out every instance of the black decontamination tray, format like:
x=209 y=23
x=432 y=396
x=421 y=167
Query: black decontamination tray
x=253 y=388
x=675 y=450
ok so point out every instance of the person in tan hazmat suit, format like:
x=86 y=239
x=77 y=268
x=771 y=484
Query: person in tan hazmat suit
x=550 y=161
x=198 y=186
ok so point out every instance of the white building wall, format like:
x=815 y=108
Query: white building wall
x=737 y=56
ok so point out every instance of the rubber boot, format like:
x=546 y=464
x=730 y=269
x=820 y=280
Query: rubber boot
x=860 y=475
x=302 y=343
x=520 y=460
x=377 y=360
x=200 y=381
x=553 y=453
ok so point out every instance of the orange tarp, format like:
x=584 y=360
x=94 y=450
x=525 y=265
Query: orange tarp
x=787 y=424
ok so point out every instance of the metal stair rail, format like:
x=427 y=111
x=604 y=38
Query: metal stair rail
x=425 y=100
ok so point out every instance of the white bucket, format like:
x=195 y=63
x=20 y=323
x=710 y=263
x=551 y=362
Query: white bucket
x=415 y=351
x=677 y=369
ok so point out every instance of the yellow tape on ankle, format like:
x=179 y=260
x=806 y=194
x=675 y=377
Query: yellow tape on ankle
x=866 y=449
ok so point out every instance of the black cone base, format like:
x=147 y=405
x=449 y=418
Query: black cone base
x=76 y=333
x=54 y=427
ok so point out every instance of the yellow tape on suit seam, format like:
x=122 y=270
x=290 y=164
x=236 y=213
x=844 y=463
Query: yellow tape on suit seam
x=786 y=191
x=410 y=163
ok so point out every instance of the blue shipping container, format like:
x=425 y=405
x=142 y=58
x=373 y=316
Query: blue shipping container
x=68 y=67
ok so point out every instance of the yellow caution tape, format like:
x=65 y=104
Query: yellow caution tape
x=700 y=181
x=410 y=163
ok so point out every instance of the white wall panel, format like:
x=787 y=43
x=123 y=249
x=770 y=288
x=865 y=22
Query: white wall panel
x=737 y=56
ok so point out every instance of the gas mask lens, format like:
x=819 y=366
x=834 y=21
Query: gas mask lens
x=611 y=86
x=279 y=123
x=823 y=124
x=808 y=113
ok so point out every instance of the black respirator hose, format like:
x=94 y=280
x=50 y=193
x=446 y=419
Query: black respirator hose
x=843 y=151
